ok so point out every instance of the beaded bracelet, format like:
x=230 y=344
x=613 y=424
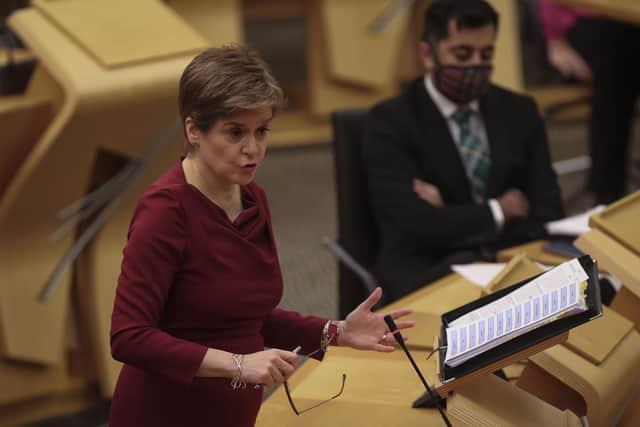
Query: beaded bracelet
x=237 y=381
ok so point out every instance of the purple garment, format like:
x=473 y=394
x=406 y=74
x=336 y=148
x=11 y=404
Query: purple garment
x=557 y=20
x=191 y=279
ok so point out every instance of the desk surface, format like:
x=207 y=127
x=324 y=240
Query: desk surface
x=387 y=403
x=378 y=391
x=624 y=10
x=429 y=303
x=17 y=55
x=104 y=31
x=379 y=386
x=534 y=251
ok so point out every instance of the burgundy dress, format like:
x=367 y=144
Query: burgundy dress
x=192 y=279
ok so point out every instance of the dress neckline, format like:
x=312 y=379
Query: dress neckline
x=247 y=201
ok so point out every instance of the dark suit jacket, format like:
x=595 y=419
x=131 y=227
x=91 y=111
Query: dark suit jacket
x=407 y=137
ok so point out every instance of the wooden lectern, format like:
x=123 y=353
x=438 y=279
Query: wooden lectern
x=380 y=388
x=615 y=241
x=498 y=403
x=594 y=373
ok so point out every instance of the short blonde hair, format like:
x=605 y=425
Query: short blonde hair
x=226 y=80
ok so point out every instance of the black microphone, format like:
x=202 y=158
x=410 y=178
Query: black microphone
x=398 y=336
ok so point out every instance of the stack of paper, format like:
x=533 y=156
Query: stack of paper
x=575 y=225
x=558 y=292
x=480 y=274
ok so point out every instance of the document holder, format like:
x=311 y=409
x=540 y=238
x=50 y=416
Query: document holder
x=592 y=373
x=518 y=348
x=595 y=340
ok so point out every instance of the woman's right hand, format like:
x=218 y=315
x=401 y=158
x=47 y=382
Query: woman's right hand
x=567 y=60
x=268 y=367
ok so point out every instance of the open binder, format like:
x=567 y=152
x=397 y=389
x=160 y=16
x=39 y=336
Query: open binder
x=517 y=348
x=527 y=340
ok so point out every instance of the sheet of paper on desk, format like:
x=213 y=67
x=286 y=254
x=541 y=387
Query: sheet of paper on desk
x=480 y=273
x=558 y=292
x=575 y=225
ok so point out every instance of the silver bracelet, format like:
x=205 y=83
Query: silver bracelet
x=237 y=381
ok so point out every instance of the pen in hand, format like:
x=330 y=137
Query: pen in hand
x=295 y=351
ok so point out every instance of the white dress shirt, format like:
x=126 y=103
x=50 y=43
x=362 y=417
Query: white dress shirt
x=447 y=108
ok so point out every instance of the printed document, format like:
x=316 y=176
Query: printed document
x=559 y=292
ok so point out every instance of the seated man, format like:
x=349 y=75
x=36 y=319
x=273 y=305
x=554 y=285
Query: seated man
x=456 y=167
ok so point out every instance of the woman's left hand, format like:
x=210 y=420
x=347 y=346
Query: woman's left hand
x=364 y=330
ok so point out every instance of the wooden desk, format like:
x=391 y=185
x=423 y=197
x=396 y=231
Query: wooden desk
x=380 y=387
x=439 y=297
x=378 y=392
x=596 y=371
x=23 y=119
x=162 y=36
x=605 y=388
x=429 y=303
x=89 y=115
x=613 y=241
x=15 y=55
x=623 y=10
x=388 y=402
x=534 y=251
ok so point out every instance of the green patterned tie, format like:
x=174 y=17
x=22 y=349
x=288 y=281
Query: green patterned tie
x=475 y=155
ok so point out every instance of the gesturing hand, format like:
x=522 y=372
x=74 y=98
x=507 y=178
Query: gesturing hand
x=268 y=367
x=365 y=330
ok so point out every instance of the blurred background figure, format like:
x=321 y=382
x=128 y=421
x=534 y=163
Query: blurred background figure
x=602 y=51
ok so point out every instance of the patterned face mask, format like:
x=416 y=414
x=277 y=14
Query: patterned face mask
x=462 y=84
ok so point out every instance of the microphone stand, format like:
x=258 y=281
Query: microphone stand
x=398 y=336
x=370 y=283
